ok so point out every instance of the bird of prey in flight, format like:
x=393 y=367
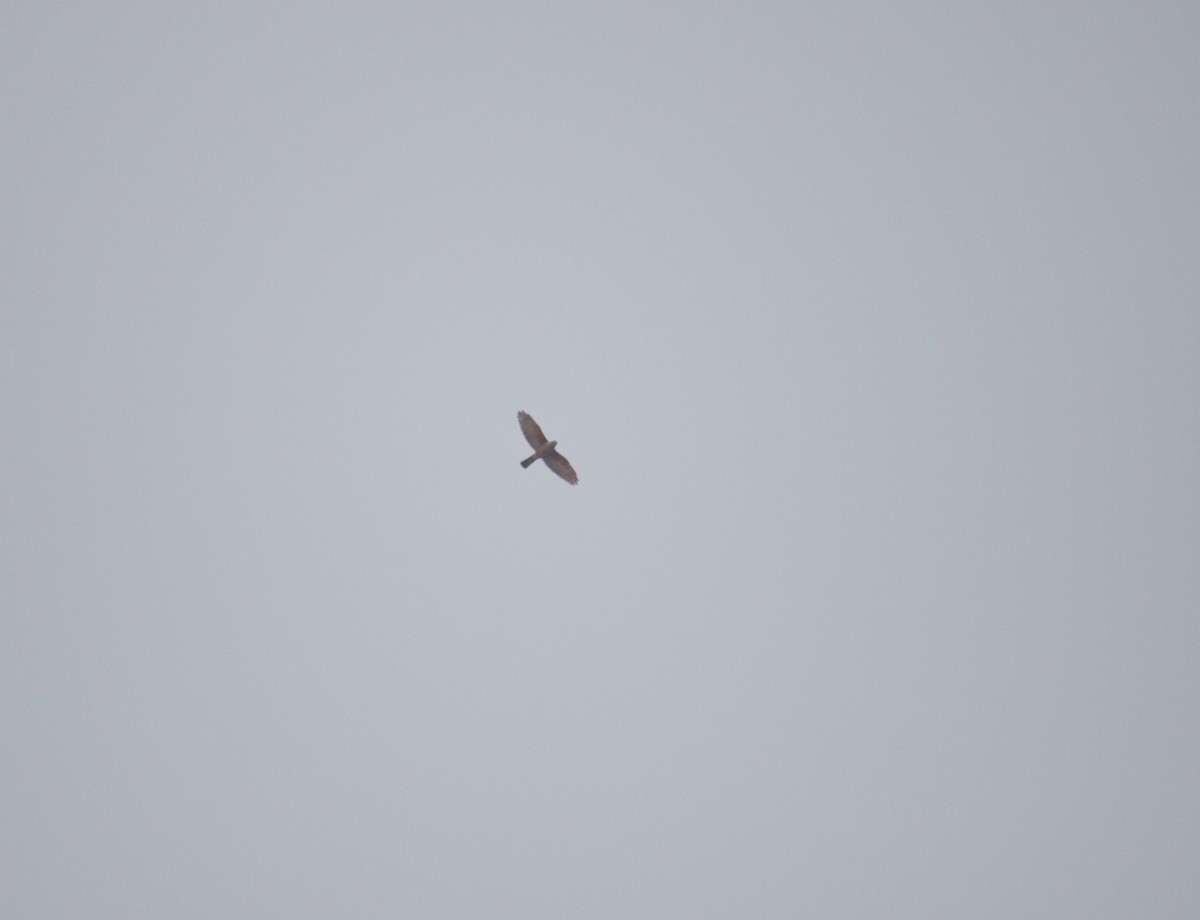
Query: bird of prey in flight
x=544 y=450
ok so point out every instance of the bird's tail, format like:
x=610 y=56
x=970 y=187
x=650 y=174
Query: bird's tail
x=528 y=460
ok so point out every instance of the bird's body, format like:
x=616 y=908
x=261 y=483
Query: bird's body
x=544 y=449
x=539 y=453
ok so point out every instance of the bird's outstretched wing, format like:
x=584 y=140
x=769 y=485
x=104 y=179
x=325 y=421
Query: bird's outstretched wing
x=561 y=465
x=529 y=428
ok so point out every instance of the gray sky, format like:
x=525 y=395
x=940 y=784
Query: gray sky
x=872 y=330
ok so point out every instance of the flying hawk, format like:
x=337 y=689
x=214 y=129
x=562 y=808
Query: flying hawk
x=544 y=450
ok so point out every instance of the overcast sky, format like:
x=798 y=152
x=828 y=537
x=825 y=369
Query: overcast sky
x=872 y=330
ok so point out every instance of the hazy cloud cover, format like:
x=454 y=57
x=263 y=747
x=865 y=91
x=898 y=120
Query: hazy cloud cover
x=871 y=330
